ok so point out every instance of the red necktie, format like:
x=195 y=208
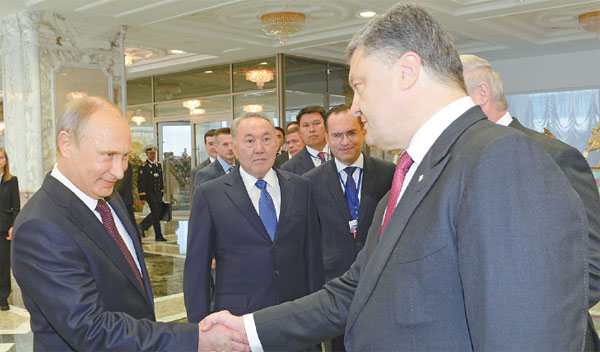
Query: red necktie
x=109 y=223
x=321 y=156
x=401 y=169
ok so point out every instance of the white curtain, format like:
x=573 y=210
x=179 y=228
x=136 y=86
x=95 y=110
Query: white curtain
x=569 y=115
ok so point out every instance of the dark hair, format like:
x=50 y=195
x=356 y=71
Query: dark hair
x=280 y=129
x=220 y=131
x=209 y=133
x=405 y=28
x=311 y=109
x=341 y=109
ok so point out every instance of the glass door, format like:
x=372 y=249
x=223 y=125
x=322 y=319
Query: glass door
x=175 y=150
x=200 y=127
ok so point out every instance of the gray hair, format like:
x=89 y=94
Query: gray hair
x=480 y=70
x=236 y=122
x=76 y=115
x=405 y=28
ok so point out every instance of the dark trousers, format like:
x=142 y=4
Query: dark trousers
x=4 y=268
x=154 y=200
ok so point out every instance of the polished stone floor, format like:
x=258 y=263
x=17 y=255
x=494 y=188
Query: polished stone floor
x=165 y=262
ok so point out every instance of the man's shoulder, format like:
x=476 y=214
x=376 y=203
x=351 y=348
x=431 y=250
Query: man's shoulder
x=380 y=164
x=321 y=172
x=295 y=163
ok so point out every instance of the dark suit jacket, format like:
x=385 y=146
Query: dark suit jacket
x=338 y=244
x=125 y=186
x=212 y=171
x=193 y=173
x=77 y=285
x=10 y=203
x=281 y=159
x=300 y=163
x=577 y=171
x=486 y=251
x=252 y=271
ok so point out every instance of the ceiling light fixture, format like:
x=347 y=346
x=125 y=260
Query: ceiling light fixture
x=128 y=58
x=209 y=71
x=260 y=76
x=264 y=63
x=197 y=111
x=176 y=51
x=282 y=24
x=253 y=108
x=590 y=21
x=191 y=104
x=367 y=14
x=138 y=118
x=76 y=95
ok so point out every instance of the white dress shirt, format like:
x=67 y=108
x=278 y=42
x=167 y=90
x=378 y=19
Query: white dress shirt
x=505 y=120
x=91 y=203
x=313 y=153
x=417 y=148
x=225 y=165
x=359 y=164
x=254 y=192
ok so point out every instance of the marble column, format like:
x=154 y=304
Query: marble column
x=37 y=49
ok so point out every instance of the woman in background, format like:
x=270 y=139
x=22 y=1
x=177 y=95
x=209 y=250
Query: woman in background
x=9 y=208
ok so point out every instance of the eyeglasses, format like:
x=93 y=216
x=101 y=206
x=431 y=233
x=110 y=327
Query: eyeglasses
x=352 y=134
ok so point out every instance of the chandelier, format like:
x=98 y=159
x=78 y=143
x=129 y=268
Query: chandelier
x=253 y=108
x=282 y=24
x=191 y=104
x=260 y=76
x=138 y=118
x=197 y=111
x=76 y=95
x=590 y=21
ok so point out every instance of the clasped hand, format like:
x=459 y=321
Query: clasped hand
x=222 y=331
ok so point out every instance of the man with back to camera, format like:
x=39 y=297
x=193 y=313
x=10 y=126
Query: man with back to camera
x=293 y=143
x=485 y=87
x=224 y=162
x=151 y=188
x=311 y=121
x=470 y=250
x=76 y=255
x=259 y=224
x=346 y=191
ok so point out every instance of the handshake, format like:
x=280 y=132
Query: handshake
x=222 y=332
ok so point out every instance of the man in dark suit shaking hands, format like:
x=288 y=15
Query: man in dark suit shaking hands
x=76 y=255
x=259 y=224
x=473 y=249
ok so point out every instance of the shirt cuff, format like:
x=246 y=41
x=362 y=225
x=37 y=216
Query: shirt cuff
x=253 y=339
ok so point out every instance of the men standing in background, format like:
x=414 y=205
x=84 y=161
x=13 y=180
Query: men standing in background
x=259 y=224
x=293 y=143
x=311 y=120
x=125 y=189
x=151 y=189
x=211 y=150
x=346 y=191
x=485 y=87
x=224 y=163
x=280 y=139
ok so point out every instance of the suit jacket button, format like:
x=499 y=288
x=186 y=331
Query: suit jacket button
x=276 y=272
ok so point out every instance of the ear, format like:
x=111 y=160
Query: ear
x=64 y=143
x=408 y=68
x=481 y=95
x=235 y=152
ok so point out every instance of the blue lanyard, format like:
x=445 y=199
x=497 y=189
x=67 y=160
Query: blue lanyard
x=353 y=201
x=318 y=157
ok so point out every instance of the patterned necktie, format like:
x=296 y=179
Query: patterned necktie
x=401 y=169
x=266 y=209
x=109 y=223
x=351 y=192
x=229 y=169
x=322 y=157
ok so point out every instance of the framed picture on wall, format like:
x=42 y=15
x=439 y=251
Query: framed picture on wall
x=596 y=172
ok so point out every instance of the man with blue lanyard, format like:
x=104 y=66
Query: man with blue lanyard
x=311 y=120
x=346 y=191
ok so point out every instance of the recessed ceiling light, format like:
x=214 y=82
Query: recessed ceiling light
x=264 y=63
x=367 y=14
x=176 y=51
x=209 y=71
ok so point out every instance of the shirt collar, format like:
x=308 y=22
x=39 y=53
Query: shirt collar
x=212 y=160
x=359 y=163
x=433 y=128
x=505 y=120
x=224 y=164
x=87 y=200
x=250 y=181
x=315 y=152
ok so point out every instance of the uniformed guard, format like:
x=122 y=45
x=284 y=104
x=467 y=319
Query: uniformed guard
x=151 y=189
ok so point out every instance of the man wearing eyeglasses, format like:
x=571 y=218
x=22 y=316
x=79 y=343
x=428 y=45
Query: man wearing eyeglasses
x=346 y=191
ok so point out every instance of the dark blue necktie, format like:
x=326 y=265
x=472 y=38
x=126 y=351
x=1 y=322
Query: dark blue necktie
x=266 y=209
x=351 y=192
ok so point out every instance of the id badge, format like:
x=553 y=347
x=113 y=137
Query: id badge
x=353 y=224
x=156 y=174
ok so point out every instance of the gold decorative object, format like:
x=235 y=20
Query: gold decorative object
x=548 y=133
x=282 y=24
x=253 y=108
x=590 y=21
x=593 y=142
x=260 y=76
x=128 y=58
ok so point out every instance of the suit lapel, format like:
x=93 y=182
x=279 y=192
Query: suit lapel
x=368 y=183
x=430 y=168
x=335 y=189
x=236 y=192
x=287 y=190
x=306 y=160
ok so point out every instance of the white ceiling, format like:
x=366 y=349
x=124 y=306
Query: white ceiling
x=218 y=31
